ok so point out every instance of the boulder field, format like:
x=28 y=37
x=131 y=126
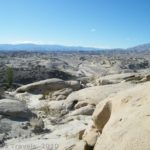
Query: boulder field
x=108 y=117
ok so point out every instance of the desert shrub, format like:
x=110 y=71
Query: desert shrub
x=1 y=92
x=10 y=76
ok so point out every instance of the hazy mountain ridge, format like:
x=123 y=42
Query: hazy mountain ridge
x=47 y=47
x=141 y=47
x=42 y=47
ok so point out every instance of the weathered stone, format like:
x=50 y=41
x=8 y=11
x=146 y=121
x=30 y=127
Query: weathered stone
x=101 y=115
x=14 y=108
x=91 y=136
x=45 y=86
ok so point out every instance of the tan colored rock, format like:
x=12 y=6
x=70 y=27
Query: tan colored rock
x=129 y=124
x=93 y=95
x=101 y=115
x=91 y=136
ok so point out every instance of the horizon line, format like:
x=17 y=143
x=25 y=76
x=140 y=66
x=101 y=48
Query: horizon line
x=64 y=45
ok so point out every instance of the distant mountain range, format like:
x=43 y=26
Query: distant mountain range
x=142 y=47
x=40 y=47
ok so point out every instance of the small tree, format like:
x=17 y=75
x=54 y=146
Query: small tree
x=10 y=76
x=1 y=92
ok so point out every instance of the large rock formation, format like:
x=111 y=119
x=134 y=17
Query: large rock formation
x=48 y=85
x=122 y=121
x=93 y=95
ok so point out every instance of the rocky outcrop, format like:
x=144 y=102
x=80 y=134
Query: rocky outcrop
x=125 y=126
x=101 y=115
x=93 y=95
x=48 y=85
x=91 y=136
x=121 y=121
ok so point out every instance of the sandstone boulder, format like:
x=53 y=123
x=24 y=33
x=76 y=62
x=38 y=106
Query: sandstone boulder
x=124 y=120
x=93 y=95
x=101 y=115
x=91 y=137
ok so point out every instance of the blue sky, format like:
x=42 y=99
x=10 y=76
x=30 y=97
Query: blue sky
x=95 y=23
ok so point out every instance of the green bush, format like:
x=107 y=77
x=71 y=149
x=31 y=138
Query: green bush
x=1 y=92
x=10 y=76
